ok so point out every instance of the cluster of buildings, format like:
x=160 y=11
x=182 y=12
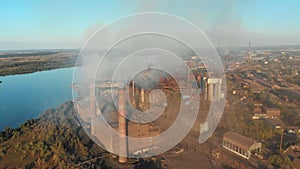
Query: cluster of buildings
x=293 y=152
x=271 y=116
x=115 y=115
x=266 y=113
x=100 y=102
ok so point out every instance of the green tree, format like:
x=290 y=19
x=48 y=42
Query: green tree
x=276 y=160
x=149 y=164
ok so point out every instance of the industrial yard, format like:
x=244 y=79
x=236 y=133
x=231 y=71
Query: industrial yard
x=246 y=85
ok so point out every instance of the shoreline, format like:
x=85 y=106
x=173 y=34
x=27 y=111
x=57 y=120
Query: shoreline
x=37 y=71
x=22 y=63
x=41 y=115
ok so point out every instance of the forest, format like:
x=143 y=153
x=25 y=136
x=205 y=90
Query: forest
x=56 y=140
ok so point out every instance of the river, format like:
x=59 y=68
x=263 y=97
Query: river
x=25 y=96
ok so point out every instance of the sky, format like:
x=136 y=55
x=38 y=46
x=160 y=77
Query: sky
x=34 y=24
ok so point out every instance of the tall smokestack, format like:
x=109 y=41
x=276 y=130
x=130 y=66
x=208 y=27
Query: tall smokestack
x=210 y=92
x=92 y=107
x=189 y=76
x=122 y=125
x=142 y=95
x=133 y=94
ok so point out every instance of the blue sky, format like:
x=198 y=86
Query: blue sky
x=31 y=24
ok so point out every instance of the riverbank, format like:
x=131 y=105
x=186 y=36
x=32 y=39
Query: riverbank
x=12 y=63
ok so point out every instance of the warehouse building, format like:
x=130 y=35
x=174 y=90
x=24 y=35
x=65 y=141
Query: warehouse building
x=240 y=145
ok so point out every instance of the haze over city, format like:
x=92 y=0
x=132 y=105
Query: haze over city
x=150 y=84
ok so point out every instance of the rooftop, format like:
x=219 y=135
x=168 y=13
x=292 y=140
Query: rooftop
x=239 y=140
x=268 y=108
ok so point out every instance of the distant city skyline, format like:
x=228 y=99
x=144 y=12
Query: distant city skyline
x=36 y=24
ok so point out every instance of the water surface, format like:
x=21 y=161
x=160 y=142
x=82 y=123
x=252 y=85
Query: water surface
x=25 y=96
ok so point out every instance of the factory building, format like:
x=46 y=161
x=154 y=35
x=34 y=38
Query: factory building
x=138 y=130
x=240 y=145
x=213 y=89
x=272 y=112
x=82 y=107
x=116 y=118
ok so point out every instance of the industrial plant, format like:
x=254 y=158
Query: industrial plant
x=116 y=102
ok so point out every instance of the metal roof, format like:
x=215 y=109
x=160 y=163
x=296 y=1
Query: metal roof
x=238 y=140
